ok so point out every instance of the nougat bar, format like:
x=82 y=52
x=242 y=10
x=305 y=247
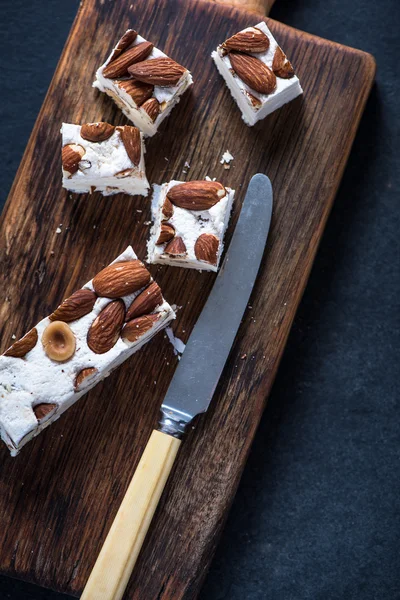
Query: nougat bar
x=91 y=333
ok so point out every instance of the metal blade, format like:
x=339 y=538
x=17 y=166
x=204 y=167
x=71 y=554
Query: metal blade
x=192 y=387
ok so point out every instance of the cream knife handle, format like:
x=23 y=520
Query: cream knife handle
x=114 y=565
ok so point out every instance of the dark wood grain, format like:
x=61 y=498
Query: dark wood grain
x=59 y=497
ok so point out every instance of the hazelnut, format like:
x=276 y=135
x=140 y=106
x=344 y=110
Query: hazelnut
x=58 y=341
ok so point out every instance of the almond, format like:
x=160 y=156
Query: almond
x=127 y=39
x=206 y=248
x=131 y=139
x=119 y=66
x=121 y=279
x=256 y=102
x=176 y=247
x=43 y=410
x=152 y=107
x=138 y=327
x=196 y=195
x=167 y=209
x=83 y=376
x=145 y=302
x=97 y=132
x=24 y=345
x=253 y=72
x=71 y=157
x=76 y=306
x=281 y=66
x=252 y=40
x=58 y=341
x=105 y=329
x=166 y=234
x=158 y=71
x=138 y=91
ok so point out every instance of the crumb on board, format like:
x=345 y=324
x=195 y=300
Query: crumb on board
x=226 y=159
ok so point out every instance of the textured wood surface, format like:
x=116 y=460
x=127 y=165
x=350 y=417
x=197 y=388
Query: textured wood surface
x=260 y=6
x=59 y=497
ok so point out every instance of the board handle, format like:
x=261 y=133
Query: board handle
x=259 y=6
x=114 y=565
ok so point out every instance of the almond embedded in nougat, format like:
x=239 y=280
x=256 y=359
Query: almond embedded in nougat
x=196 y=195
x=97 y=132
x=71 y=156
x=206 y=248
x=76 y=306
x=119 y=66
x=145 y=303
x=252 y=40
x=132 y=141
x=176 y=247
x=167 y=232
x=105 y=329
x=83 y=377
x=24 y=345
x=121 y=279
x=164 y=72
x=43 y=410
x=281 y=66
x=136 y=328
x=152 y=107
x=253 y=72
x=127 y=39
x=137 y=90
x=167 y=209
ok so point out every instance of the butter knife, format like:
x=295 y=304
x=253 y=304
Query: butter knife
x=189 y=394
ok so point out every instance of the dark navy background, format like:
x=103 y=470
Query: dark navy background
x=317 y=514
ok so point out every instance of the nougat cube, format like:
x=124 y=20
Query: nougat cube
x=257 y=72
x=190 y=220
x=143 y=81
x=103 y=158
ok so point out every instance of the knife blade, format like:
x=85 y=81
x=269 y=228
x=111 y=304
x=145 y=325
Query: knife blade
x=189 y=393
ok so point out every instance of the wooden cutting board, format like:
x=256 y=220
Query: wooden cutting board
x=59 y=497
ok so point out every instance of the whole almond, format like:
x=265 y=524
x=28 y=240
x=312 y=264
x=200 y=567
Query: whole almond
x=145 y=302
x=167 y=209
x=121 y=279
x=281 y=66
x=76 y=306
x=42 y=410
x=83 y=376
x=137 y=90
x=131 y=139
x=135 y=328
x=206 y=248
x=97 y=132
x=105 y=329
x=119 y=66
x=167 y=232
x=127 y=39
x=152 y=107
x=158 y=71
x=252 y=40
x=176 y=247
x=24 y=345
x=71 y=156
x=196 y=195
x=253 y=72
